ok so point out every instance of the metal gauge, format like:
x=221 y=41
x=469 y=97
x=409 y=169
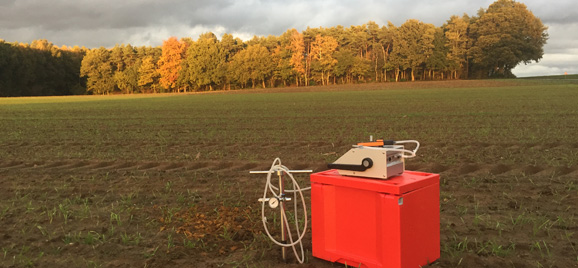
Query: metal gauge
x=273 y=202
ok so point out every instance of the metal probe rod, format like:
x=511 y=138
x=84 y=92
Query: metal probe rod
x=282 y=194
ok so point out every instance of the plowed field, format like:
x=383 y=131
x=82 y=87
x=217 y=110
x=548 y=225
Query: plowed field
x=163 y=180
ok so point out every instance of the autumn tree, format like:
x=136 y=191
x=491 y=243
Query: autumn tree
x=230 y=46
x=297 y=48
x=204 y=66
x=125 y=68
x=308 y=39
x=375 y=34
x=505 y=35
x=148 y=75
x=127 y=80
x=129 y=56
x=170 y=62
x=438 y=61
x=253 y=63
x=386 y=40
x=281 y=55
x=343 y=68
x=456 y=33
x=116 y=58
x=358 y=40
x=322 y=50
x=98 y=69
x=413 y=44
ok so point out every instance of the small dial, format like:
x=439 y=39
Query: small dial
x=273 y=202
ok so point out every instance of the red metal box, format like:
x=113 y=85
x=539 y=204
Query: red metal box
x=365 y=222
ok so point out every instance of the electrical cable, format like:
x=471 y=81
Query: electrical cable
x=412 y=153
x=275 y=167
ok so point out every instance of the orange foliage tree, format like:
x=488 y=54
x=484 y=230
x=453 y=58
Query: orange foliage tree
x=173 y=52
x=297 y=47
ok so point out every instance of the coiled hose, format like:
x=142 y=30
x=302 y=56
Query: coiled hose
x=276 y=167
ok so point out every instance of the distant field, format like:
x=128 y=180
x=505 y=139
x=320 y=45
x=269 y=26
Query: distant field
x=162 y=180
x=569 y=76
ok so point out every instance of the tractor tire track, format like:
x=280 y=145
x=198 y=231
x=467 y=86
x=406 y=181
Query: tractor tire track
x=233 y=167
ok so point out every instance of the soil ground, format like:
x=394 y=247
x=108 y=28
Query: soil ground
x=117 y=186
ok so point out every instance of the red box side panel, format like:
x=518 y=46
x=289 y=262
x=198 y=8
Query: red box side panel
x=348 y=234
x=320 y=245
x=369 y=228
x=389 y=233
x=420 y=218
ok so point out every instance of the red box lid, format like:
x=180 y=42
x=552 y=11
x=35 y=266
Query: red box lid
x=404 y=183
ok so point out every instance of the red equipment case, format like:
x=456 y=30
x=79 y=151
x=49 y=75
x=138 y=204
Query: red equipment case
x=365 y=222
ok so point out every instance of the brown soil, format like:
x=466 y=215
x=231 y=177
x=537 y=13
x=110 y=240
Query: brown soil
x=195 y=204
x=205 y=213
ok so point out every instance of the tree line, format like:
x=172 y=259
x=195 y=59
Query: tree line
x=40 y=69
x=487 y=45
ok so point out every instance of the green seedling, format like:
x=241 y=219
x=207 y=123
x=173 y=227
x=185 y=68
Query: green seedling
x=131 y=238
x=152 y=253
x=92 y=237
x=42 y=230
x=115 y=218
x=127 y=200
x=169 y=186
x=170 y=242
x=65 y=212
x=189 y=244
x=29 y=206
x=542 y=248
x=227 y=234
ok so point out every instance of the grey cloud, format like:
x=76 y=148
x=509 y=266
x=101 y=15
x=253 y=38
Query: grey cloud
x=559 y=12
x=562 y=37
x=94 y=23
x=258 y=17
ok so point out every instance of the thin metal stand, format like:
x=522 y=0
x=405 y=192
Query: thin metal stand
x=282 y=212
x=281 y=203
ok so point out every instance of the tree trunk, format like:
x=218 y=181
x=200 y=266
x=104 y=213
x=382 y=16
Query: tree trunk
x=376 y=72
x=467 y=68
x=385 y=55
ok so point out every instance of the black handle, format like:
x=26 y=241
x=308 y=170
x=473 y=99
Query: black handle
x=365 y=164
x=388 y=142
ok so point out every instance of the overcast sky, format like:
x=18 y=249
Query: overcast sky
x=95 y=23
